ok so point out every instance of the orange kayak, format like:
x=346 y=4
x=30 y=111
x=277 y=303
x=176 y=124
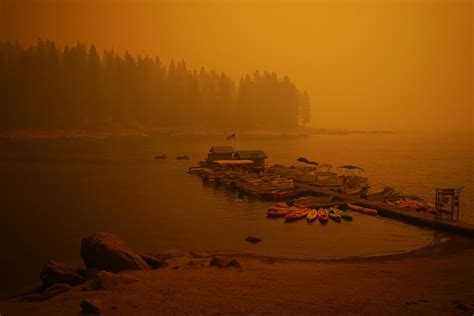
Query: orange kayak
x=277 y=211
x=312 y=216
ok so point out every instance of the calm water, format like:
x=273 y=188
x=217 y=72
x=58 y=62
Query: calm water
x=54 y=192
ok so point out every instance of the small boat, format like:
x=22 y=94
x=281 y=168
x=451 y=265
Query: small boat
x=183 y=157
x=361 y=209
x=334 y=216
x=280 y=195
x=277 y=211
x=291 y=217
x=345 y=216
x=312 y=216
x=194 y=170
x=161 y=157
x=322 y=216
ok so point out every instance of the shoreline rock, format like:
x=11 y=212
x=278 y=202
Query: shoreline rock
x=91 y=306
x=108 y=252
x=55 y=272
x=154 y=262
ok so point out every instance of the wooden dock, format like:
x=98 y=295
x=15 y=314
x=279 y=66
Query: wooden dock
x=417 y=218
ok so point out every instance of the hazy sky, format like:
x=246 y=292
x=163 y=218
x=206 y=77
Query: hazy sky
x=366 y=64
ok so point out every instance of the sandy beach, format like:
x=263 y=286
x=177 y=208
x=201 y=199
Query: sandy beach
x=433 y=280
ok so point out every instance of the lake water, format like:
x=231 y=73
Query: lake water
x=56 y=191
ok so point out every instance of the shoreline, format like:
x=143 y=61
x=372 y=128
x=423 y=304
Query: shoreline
x=453 y=243
x=42 y=133
x=433 y=279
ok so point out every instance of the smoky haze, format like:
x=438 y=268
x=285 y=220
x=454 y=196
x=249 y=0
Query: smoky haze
x=365 y=64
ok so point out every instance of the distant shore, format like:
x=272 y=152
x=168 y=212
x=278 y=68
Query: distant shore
x=44 y=133
x=436 y=279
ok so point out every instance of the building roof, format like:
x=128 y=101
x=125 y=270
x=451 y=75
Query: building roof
x=221 y=150
x=233 y=162
x=250 y=154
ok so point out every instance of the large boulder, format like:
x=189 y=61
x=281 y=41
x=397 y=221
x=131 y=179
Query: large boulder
x=55 y=272
x=108 y=252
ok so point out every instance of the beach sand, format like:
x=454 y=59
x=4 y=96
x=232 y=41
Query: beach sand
x=433 y=280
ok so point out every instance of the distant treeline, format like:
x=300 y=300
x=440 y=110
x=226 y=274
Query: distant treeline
x=44 y=86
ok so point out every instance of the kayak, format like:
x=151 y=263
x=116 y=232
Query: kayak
x=291 y=217
x=363 y=210
x=322 y=216
x=334 y=216
x=312 y=216
x=277 y=211
x=345 y=216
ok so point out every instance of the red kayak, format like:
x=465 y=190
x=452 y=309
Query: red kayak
x=296 y=215
x=277 y=211
x=323 y=216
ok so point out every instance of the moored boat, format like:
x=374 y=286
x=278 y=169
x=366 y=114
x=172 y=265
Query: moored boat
x=322 y=216
x=334 y=216
x=312 y=216
x=194 y=170
x=344 y=215
x=278 y=211
x=361 y=209
x=280 y=194
x=290 y=217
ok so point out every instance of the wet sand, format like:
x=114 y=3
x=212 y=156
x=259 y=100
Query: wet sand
x=434 y=280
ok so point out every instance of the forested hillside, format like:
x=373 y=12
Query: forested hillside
x=45 y=86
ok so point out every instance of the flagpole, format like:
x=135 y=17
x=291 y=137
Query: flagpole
x=235 y=137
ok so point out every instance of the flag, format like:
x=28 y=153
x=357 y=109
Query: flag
x=231 y=137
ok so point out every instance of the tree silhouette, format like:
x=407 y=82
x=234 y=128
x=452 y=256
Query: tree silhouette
x=43 y=86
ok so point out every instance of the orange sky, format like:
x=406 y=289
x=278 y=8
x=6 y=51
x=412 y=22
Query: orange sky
x=367 y=64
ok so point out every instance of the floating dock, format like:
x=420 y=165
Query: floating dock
x=385 y=210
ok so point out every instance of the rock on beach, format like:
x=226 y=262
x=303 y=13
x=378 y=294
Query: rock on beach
x=108 y=252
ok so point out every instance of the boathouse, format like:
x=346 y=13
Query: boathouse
x=220 y=153
x=257 y=156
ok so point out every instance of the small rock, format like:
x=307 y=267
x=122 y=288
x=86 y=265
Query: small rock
x=253 y=240
x=108 y=252
x=234 y=263
x=105 y=281
x=90 y=306
x=219 y=261
x=55 y=272
x=175 y=268
x=154 y=262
